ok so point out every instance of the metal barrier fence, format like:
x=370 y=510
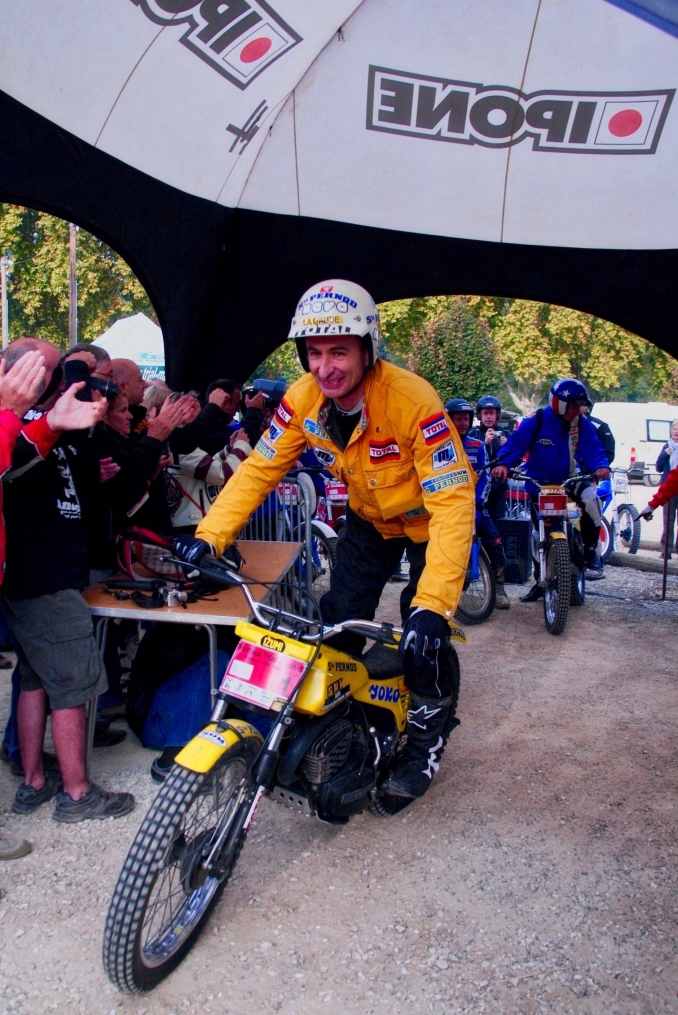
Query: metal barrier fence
x=285 y=516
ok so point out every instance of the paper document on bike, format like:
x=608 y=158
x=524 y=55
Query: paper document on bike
x=261 y=676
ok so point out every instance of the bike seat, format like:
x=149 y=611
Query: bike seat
x=383 y=662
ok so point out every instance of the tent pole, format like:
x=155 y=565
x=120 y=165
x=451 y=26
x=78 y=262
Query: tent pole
x=72 y=288
x=5 y=308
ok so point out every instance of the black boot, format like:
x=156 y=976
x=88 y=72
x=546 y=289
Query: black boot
x=427 y=723
x=502 y=600
x=535 y=593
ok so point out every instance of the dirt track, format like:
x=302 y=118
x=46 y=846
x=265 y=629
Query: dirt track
x=538 y=875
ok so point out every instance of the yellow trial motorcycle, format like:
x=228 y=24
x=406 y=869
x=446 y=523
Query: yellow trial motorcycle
x=305 y=724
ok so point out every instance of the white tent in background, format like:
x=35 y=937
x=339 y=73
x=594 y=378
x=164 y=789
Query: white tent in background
x=139 y=339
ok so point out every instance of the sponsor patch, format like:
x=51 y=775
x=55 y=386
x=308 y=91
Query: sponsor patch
x=445 y=455
x=310 y=426
x=283 y=413
x=325 y=458
x=416 y=512
x=274 y=431
x=444 y=482
x=213 y=737
x=544 y=440
x=379 y=450
x=265 y=449
x=435 y=428
x=379 y=692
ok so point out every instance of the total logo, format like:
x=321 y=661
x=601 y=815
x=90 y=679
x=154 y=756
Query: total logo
x=461 y=112
x=238 y=38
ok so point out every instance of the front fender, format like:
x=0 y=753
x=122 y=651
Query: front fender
x=557 y=535
x=202 y=752
x=325 y=529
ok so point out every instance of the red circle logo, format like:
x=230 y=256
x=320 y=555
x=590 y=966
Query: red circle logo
x=255 y=49
x=625 y=122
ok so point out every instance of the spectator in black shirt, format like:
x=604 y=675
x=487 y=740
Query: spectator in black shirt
x=47 y=567
x=211 y=428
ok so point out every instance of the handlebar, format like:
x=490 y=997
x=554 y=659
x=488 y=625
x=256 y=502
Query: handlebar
x=518 y=474
x=267 y=615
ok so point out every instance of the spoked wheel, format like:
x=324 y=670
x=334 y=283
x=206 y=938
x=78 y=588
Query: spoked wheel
x=577 y=587
x=557 y=591
x=627 y=535
x=478 y=598
x=605 y=542
x=177 y=869
x=324 y=559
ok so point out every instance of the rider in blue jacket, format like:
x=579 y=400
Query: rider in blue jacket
x=559 y=441
x=461 y=413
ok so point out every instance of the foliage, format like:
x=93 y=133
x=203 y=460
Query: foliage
x=284 y=363
x=38 y=282
x=455 y=351
x=532 y=345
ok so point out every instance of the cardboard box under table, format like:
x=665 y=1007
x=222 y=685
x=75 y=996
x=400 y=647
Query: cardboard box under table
x=265 y=561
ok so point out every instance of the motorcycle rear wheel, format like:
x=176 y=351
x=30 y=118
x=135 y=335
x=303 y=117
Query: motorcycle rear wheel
x=163 y=896
x=478 y=598
x=558 y=588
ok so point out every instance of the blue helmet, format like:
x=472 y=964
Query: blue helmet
x=565 y=391
x=488 y=402
x=459 y=405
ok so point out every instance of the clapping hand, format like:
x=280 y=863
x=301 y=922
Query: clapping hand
x=22 y=383
x=70 y=414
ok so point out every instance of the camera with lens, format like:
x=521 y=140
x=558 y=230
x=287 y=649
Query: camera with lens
x=76 y=370
x=273 y=391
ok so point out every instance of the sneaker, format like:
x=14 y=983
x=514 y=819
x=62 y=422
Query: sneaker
x=96 y=803
x=104 y=737
x=12 y=849
x=28 y=799
x=163 y=765
x=49 y=761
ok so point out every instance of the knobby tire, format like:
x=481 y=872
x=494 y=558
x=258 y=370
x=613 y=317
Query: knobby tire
x=151 y=859
x=557 y=592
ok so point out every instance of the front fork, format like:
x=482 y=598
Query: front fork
x=541 y=555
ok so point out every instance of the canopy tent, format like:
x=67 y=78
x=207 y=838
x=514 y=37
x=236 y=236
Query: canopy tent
x=139 y=339
x=236 y=151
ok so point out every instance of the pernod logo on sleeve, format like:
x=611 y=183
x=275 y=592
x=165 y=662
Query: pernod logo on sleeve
x=239 y=38
x=609 y=123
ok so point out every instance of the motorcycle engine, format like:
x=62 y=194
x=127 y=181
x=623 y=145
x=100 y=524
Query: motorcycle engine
x=336 y=766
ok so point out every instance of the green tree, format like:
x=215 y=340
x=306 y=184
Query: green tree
x=38 y=285
x=284 y=363
x=455 y=351
x=539 y=342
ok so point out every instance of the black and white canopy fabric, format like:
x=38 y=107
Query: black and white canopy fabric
x=236 y=151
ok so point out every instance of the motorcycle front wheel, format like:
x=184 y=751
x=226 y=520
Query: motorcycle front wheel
x=167 y=888
x=558 y=587
x=627 y=533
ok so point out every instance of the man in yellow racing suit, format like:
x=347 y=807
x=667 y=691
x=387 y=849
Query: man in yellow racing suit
x=383 y=431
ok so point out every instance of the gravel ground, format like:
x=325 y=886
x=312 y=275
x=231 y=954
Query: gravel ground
x=538 y=875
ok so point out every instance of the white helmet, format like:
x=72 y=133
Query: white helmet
x=336 y=307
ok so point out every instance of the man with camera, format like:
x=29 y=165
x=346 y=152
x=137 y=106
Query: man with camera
x=47 y=567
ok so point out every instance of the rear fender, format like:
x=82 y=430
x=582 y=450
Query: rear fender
x=203 y=752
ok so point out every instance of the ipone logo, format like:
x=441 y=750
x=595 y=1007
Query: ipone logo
x=239 y=38
x=612 y=123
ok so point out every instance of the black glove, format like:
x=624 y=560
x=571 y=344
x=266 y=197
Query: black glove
x=424 y=634
x=190 y=549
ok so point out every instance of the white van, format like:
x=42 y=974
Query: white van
x=640 y=430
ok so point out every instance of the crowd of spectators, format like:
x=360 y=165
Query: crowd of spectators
x=90 y=452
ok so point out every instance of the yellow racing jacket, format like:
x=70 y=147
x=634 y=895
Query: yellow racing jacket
x=404 y=467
